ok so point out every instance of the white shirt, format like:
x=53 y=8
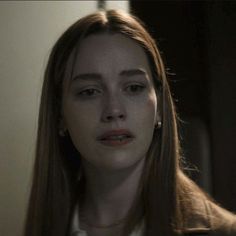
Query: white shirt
x=76 y=231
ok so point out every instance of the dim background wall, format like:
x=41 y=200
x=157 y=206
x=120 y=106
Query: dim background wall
x=28 y=31
x=198 y=43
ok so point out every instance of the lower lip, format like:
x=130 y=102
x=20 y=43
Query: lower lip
x=114 y=143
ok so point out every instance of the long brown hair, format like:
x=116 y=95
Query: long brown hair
x=55 y=187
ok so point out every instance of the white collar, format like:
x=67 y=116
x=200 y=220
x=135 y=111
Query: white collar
x=76 y=231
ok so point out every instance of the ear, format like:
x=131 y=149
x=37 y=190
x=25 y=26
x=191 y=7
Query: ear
x=158 y=118
x=158 y=121
x=159 y=109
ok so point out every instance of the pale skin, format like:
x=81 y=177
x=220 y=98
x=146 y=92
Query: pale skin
x=117 y=92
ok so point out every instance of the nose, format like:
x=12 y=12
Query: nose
x=113 y=110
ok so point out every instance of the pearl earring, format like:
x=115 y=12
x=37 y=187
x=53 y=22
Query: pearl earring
x=158 y=125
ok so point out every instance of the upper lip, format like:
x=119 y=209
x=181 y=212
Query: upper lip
x=115 y=132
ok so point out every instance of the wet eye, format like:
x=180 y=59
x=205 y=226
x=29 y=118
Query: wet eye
x=135 y=88
x=89 y=92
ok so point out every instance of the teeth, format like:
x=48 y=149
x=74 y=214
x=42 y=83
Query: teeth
x=118 y=137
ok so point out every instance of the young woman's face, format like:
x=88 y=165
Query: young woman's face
x=111 y=89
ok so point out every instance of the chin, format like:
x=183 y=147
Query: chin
x=118 y=163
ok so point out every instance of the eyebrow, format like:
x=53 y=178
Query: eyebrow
x=133 y=72
x=97 y=76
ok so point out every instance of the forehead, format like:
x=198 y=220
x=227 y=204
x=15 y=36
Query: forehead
x=107 y=54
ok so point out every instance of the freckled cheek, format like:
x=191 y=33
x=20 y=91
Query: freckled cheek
x=152 y=100
x=150 y=104
x=143 y=113
x=80 y=117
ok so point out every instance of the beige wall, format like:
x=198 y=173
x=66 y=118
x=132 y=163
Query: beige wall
x=28 y=31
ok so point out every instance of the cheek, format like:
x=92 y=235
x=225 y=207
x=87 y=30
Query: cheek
x=79 y=119
x=152 y=102
x=150 y=108
x=80 y=127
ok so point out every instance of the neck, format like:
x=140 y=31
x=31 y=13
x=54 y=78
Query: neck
x=110 y=194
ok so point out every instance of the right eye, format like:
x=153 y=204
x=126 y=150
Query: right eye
x=91 y=92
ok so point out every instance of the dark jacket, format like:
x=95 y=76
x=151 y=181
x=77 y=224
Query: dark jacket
x=204 y=219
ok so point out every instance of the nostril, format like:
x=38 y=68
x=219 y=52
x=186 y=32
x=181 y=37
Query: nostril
x=109 y=117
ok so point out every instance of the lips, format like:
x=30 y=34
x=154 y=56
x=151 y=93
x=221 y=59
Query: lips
x=116 y=138
x=116 y=135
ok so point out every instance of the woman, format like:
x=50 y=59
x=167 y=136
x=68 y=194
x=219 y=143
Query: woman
x=108 y=155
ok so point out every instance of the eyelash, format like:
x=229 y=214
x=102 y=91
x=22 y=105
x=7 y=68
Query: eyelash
x=85 y=93
x=139 y=86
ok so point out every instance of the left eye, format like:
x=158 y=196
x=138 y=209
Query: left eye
x=89 y=92
x=135 y=88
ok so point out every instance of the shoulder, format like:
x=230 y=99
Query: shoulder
x=223 y=222
x=208 y=218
